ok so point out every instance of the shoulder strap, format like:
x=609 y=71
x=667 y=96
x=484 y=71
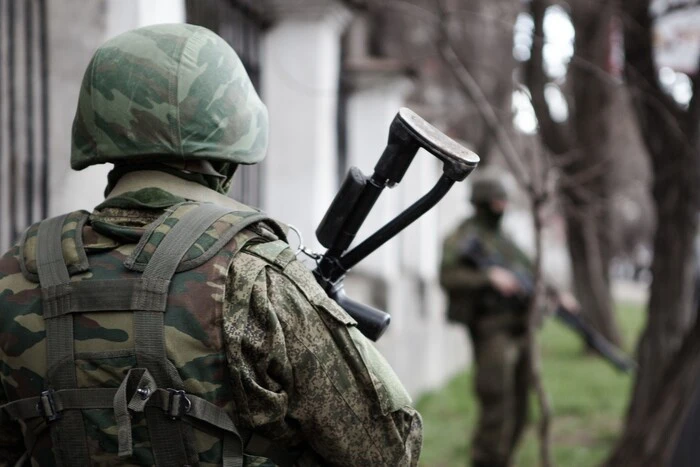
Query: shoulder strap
x=149 y=335
x=71 y=246
x=277 y=252
x=217 y=234
x=67 y=433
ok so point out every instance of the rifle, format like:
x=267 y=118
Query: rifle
x=474 y=254
x=407 y=134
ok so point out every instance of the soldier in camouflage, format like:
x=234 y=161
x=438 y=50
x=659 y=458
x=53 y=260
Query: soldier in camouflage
x=491 y=302
x=173 y=325
x=498 y=334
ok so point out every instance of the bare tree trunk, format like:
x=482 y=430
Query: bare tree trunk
x=653 y=440
x=590 y=173
x=585 y=136
x=669 y=304
x=590 y=255
x=668 y=354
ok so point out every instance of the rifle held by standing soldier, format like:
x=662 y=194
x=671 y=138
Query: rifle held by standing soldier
x=474 y=254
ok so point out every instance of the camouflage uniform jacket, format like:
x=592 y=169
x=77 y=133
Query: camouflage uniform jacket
x=465 y=284
x=270 y=347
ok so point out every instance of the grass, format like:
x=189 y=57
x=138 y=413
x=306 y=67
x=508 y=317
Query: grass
x=588 y=397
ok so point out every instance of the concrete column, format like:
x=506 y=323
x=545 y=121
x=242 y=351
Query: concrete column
x=76 y=29
x=301 y=63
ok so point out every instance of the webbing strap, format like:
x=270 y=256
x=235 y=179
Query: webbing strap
x=145 y=394
x=148 y=326
x=142 y=385
x=49 y=256
x=106 y=295
x=68 y=433
x=52 y=403
x=167 y=436
x=138 y=390
x=181 y=237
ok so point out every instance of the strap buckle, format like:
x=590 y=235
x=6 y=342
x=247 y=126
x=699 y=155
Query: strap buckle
x=47 y=406
x=178 y=403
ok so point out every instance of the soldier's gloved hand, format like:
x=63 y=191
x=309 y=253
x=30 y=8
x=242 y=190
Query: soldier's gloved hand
x=569 y=302
x=503 y=281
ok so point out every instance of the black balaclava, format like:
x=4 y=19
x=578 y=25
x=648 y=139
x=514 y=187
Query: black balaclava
x=488 y=216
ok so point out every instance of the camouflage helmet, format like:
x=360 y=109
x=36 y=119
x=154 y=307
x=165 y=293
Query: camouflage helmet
x=487 y=187
x=168 y=91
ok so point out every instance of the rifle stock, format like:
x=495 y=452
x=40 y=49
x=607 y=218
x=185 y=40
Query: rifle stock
x=407 y=134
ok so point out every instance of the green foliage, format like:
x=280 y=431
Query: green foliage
x=588 y=396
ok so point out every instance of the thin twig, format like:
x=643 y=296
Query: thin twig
x=472 y=89
x=535 y=359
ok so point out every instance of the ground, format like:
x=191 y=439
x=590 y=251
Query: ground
x=588 y=396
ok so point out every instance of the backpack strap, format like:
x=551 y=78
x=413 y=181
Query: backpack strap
x=145 y=393
x=149 y=337
x=217 y=235
x=68 y=431
x=71 y=242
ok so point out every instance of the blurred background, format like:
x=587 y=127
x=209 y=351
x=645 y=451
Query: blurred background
x=588 y=104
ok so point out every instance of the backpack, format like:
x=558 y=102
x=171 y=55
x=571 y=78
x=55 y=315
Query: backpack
x=187 y=242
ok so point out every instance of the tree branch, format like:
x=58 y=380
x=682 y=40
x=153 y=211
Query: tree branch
x=556 y=136
x=472 y=89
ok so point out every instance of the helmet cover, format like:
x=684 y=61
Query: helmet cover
x=168 y=92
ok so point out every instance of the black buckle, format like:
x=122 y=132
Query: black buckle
x=178 y=403
x=47 y=406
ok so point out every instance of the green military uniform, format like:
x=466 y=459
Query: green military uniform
x=172 y=325
x=497 y=330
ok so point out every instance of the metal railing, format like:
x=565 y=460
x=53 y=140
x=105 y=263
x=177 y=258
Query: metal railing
x=24 y=153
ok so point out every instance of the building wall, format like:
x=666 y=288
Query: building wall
x=76 y=29
x=23 y=126
x=301 y=57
